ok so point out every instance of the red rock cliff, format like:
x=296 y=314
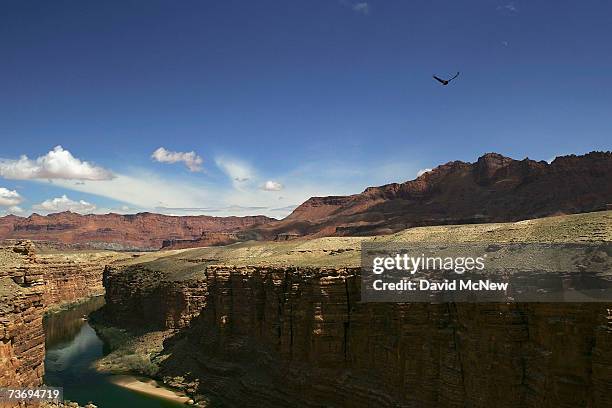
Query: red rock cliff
x=285 y=336
x=493 y=189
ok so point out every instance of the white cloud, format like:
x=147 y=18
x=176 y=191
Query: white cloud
x=271 y=185
x=238 y=171
x=422 y=171
x=15 y=210
x=363 y=8
x=64 y=203
x=9 y=198
x=191 y=159
x=57 y=164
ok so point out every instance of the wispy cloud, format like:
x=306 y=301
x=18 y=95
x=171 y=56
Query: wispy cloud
x=238 y=171
x=57 y=164
x=233 y=209
x=362 y=7
x=510 y=8
x=359 y=7
x=285 y=209
x=190 y=159
x=145 y=189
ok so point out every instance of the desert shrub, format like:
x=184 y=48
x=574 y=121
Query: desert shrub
x=140 y=364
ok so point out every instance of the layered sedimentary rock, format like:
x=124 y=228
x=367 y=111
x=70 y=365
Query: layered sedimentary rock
x=30 y=284
x=207 y=239
x=299 y=337
x=21 y=335
x=22 y=341
x=120 y=232
x=493 y=189
x=282 y=325
x=62 y=277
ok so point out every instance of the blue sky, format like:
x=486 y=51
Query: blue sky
x=283 y=100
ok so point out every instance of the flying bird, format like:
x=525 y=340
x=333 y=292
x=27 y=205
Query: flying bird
x=444 y=81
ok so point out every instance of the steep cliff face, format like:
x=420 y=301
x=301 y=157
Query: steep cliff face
x=22 y=341
x=261 y=333
x=145 y=299
x=493 y=189
x=61 y=277
x=114 y=231
x=30 y=284
x=71 y=277
x=300 y=337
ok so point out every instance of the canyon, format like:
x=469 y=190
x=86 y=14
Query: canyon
x=259 y=311
x=35 y=280
x=281 y=324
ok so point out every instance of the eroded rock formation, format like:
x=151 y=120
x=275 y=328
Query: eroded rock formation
x=21 y=335
x=22 y=340
x=300 y=337
x=255 y=331
x=63 y=277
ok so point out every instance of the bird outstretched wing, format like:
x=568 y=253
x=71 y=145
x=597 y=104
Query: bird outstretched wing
x=438 y=79
x=456 y=75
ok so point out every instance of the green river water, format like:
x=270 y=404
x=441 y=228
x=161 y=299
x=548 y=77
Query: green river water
x=72 y=347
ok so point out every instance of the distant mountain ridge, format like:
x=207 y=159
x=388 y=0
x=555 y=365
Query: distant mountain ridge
x=495 y=188
x=115 y=231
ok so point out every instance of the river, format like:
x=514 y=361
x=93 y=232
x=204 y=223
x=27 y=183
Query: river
x=72 y=347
